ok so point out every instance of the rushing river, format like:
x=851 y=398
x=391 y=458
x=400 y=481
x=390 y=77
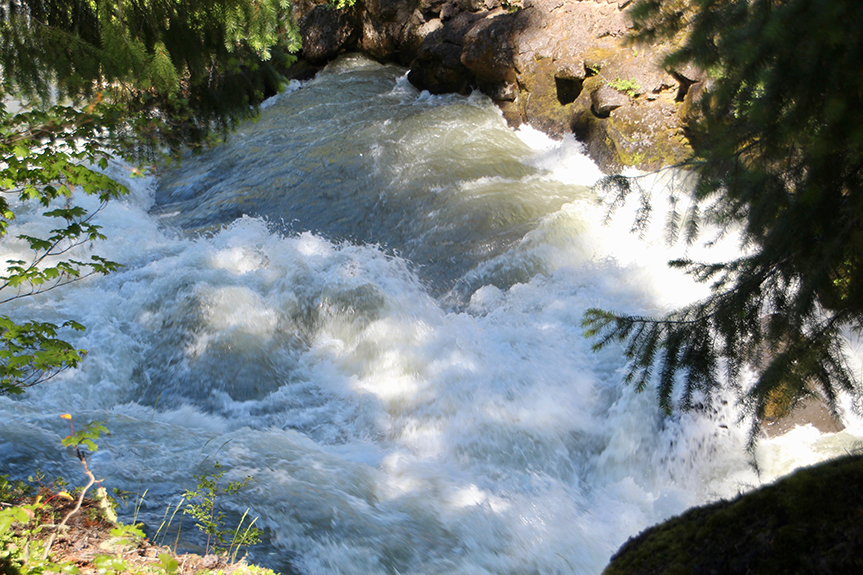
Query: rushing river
x=369 y=301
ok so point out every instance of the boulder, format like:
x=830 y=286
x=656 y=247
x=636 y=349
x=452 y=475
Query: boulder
x=387 y=28
x=806 y=523
x=327 y=32
x=562 y=66
x=604 y=99
x=437 y=66
x=488 y=49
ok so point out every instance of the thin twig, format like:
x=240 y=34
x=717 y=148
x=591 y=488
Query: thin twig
x=77 y=506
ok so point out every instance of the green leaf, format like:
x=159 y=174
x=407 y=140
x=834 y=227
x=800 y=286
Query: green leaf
x=86 y=436
x=168 y=563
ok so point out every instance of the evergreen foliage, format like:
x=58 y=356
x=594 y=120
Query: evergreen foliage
x=779 y=156
x=196 y=65
x=91 y=79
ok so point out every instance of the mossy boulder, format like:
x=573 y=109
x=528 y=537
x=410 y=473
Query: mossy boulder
x=562 y=66
x=808 y=523
x=646 y=135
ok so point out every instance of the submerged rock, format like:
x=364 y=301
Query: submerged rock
x=809 y=522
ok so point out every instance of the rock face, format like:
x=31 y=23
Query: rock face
x=562 y=66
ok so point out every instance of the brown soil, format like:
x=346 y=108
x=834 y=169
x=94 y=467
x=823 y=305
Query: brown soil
x=87 y=535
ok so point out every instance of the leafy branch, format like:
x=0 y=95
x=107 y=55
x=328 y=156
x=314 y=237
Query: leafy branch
x=203 y=508
x=45 y=153
x=86 y=437
x=755 y=317
x=31 y=353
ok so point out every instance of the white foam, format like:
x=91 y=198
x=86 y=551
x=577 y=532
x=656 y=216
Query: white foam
x=384 y=431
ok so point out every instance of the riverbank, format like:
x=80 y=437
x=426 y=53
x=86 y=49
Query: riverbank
x=89 y=543
x=562 y=67
x=805 y=523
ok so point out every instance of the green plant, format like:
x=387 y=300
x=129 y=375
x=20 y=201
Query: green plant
x=512 y=6
x=128 y=534
x=211 y=521
x=166 y=523
x=25 y=518
x=779 y=163
x=11 y=556
x=21 y=550
x=138 y=504
x=249 y=536
x=136 y=79
x=110 y=565
x=630 y=87
x=168 y=563
x=39 y=480
x=123 y=496
x=13 y=490
x=46 y=153
x=86 y=437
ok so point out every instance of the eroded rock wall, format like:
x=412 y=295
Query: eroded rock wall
x=559 y=65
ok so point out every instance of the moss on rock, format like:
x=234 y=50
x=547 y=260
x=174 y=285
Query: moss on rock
x=539 y=101
x=632 y=135
x=810 y=522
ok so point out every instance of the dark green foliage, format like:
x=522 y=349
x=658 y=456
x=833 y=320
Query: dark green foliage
x=99 y=78
x=807 y=523
x=780 y=156
x=12 y=491
x=180 y=68
x=86 y=437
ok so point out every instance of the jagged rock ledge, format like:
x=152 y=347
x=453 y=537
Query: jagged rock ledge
x=562 y=66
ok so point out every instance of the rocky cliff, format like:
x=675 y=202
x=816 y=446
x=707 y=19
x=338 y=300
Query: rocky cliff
x=562 y=66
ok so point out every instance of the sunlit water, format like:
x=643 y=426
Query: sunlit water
x=370 y=302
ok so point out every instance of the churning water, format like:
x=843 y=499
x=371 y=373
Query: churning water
x=370 y=302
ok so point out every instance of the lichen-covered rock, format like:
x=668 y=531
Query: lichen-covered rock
x=539 y=102
x=560 y=65
x=605 y=99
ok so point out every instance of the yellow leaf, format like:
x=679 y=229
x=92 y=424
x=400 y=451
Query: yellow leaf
x=66 y=416
x=65 y=495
